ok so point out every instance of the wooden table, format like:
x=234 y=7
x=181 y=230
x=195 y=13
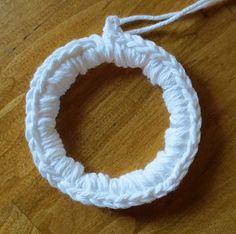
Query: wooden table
x=113 y=120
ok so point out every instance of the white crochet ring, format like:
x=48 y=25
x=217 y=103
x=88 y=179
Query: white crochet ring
x=55 y=76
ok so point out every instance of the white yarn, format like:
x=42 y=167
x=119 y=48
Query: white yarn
x=59 y=71
x=166 y=18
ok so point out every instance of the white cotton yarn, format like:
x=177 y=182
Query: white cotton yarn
x=166 y=18
x=55 y=76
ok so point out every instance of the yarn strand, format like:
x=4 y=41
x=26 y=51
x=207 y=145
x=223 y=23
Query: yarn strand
x=167 y=18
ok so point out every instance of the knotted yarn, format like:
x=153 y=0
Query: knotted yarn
x=125 y=49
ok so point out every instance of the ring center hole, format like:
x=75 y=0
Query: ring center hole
x=112 y=120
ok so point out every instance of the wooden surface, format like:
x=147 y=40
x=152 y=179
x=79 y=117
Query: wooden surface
x=113 y=120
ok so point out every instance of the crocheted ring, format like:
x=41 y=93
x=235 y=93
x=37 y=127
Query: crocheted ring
x=55 y=76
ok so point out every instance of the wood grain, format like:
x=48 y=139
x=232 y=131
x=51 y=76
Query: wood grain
x=113 y=120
